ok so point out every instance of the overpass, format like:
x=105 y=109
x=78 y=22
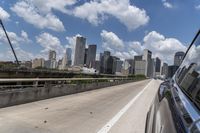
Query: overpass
x=114 y=109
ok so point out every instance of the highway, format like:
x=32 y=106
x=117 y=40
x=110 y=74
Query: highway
x=116 y=109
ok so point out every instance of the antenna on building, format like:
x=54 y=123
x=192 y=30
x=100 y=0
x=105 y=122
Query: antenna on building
x=9 y=42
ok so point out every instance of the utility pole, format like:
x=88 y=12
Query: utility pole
x=9 y=42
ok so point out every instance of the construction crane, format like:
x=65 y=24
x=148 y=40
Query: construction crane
x=9 y=42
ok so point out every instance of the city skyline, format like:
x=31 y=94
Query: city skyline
x=84 y=58
x=124 y=36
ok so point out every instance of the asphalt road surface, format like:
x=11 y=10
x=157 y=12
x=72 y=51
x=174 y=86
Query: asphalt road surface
x=116 y=109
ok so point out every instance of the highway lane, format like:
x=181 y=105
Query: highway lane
x=117 y=109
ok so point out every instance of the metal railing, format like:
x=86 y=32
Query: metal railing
x=45 y=82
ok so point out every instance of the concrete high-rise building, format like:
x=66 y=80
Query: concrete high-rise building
x=85 y=56
x=140 y=66
x=114 y=65
x=69 y=56
x=63 y=64
x=119 y=66
x=66 y=61
x=178 y=57
x=152 y=67
x=97 y=65
x=91 y=56
x=144 y=64
x=38 y=63
x=165 y=69
x=147 y=57
x=60 y=65
x=157 y=66
x=51 y=63
x=79 y=51
x=104 y=57
x=26 y=64
x=107 y=63
x=101 y=64
x=52 y=55
x=131 y=66
x=125 y=68
x=138 y=57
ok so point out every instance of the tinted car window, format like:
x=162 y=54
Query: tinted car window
x=188 y=75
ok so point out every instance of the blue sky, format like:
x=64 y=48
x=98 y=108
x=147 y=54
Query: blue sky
x=124 y=27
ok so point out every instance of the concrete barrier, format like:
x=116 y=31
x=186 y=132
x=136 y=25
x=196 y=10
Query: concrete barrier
x=25 y=95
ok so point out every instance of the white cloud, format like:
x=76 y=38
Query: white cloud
x=31 y=14
x=72 y=44
x=111 y=41
x=14 y=38
x=94 y=11
x=98 y=10
x=162 y=47
x=50 y=42
x=197 y=7
x=3 y=14
x=47 y=6
x=118 y=47
x=24 y=35
x=125 y=55
x=22 y=55
x=167 y=4
x=136 y=46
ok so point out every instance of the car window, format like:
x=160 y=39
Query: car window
x=188 y=75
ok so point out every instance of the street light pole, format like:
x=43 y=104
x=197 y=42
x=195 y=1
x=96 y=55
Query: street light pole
x=9 y=42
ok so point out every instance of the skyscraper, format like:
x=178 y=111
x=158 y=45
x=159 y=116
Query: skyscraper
x=178 y=57
x=79 y=51
x=114 y=65
x=152 y=66
x=66 y=61
x=91 y=56
x=38 y=63
x=147 y=57
x=52 y=59
x=158 y=66
x=97 y=65
x=125 y=68
x=106 y=63
x=52 y=55
x=131 y=65
x=119 y=66
x=165 y=69
x=139 y=65
x=105 y=58
x=69 y=56
x=85 y=56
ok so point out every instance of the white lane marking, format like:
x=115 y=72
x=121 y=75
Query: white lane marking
x=108 y=126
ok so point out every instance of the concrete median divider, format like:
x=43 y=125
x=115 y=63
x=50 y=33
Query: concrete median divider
x=30 y=94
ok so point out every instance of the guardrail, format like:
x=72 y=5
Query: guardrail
x=56 y=79
x=45 y=82
x=19 y=91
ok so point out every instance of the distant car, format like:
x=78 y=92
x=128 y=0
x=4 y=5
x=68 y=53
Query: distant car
x=176 y=107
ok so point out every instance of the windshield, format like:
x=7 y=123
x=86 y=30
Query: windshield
x=188 y=76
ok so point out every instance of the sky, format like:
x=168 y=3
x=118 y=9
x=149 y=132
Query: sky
x=124 y=27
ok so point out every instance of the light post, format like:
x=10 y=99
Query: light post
x=9 y=42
